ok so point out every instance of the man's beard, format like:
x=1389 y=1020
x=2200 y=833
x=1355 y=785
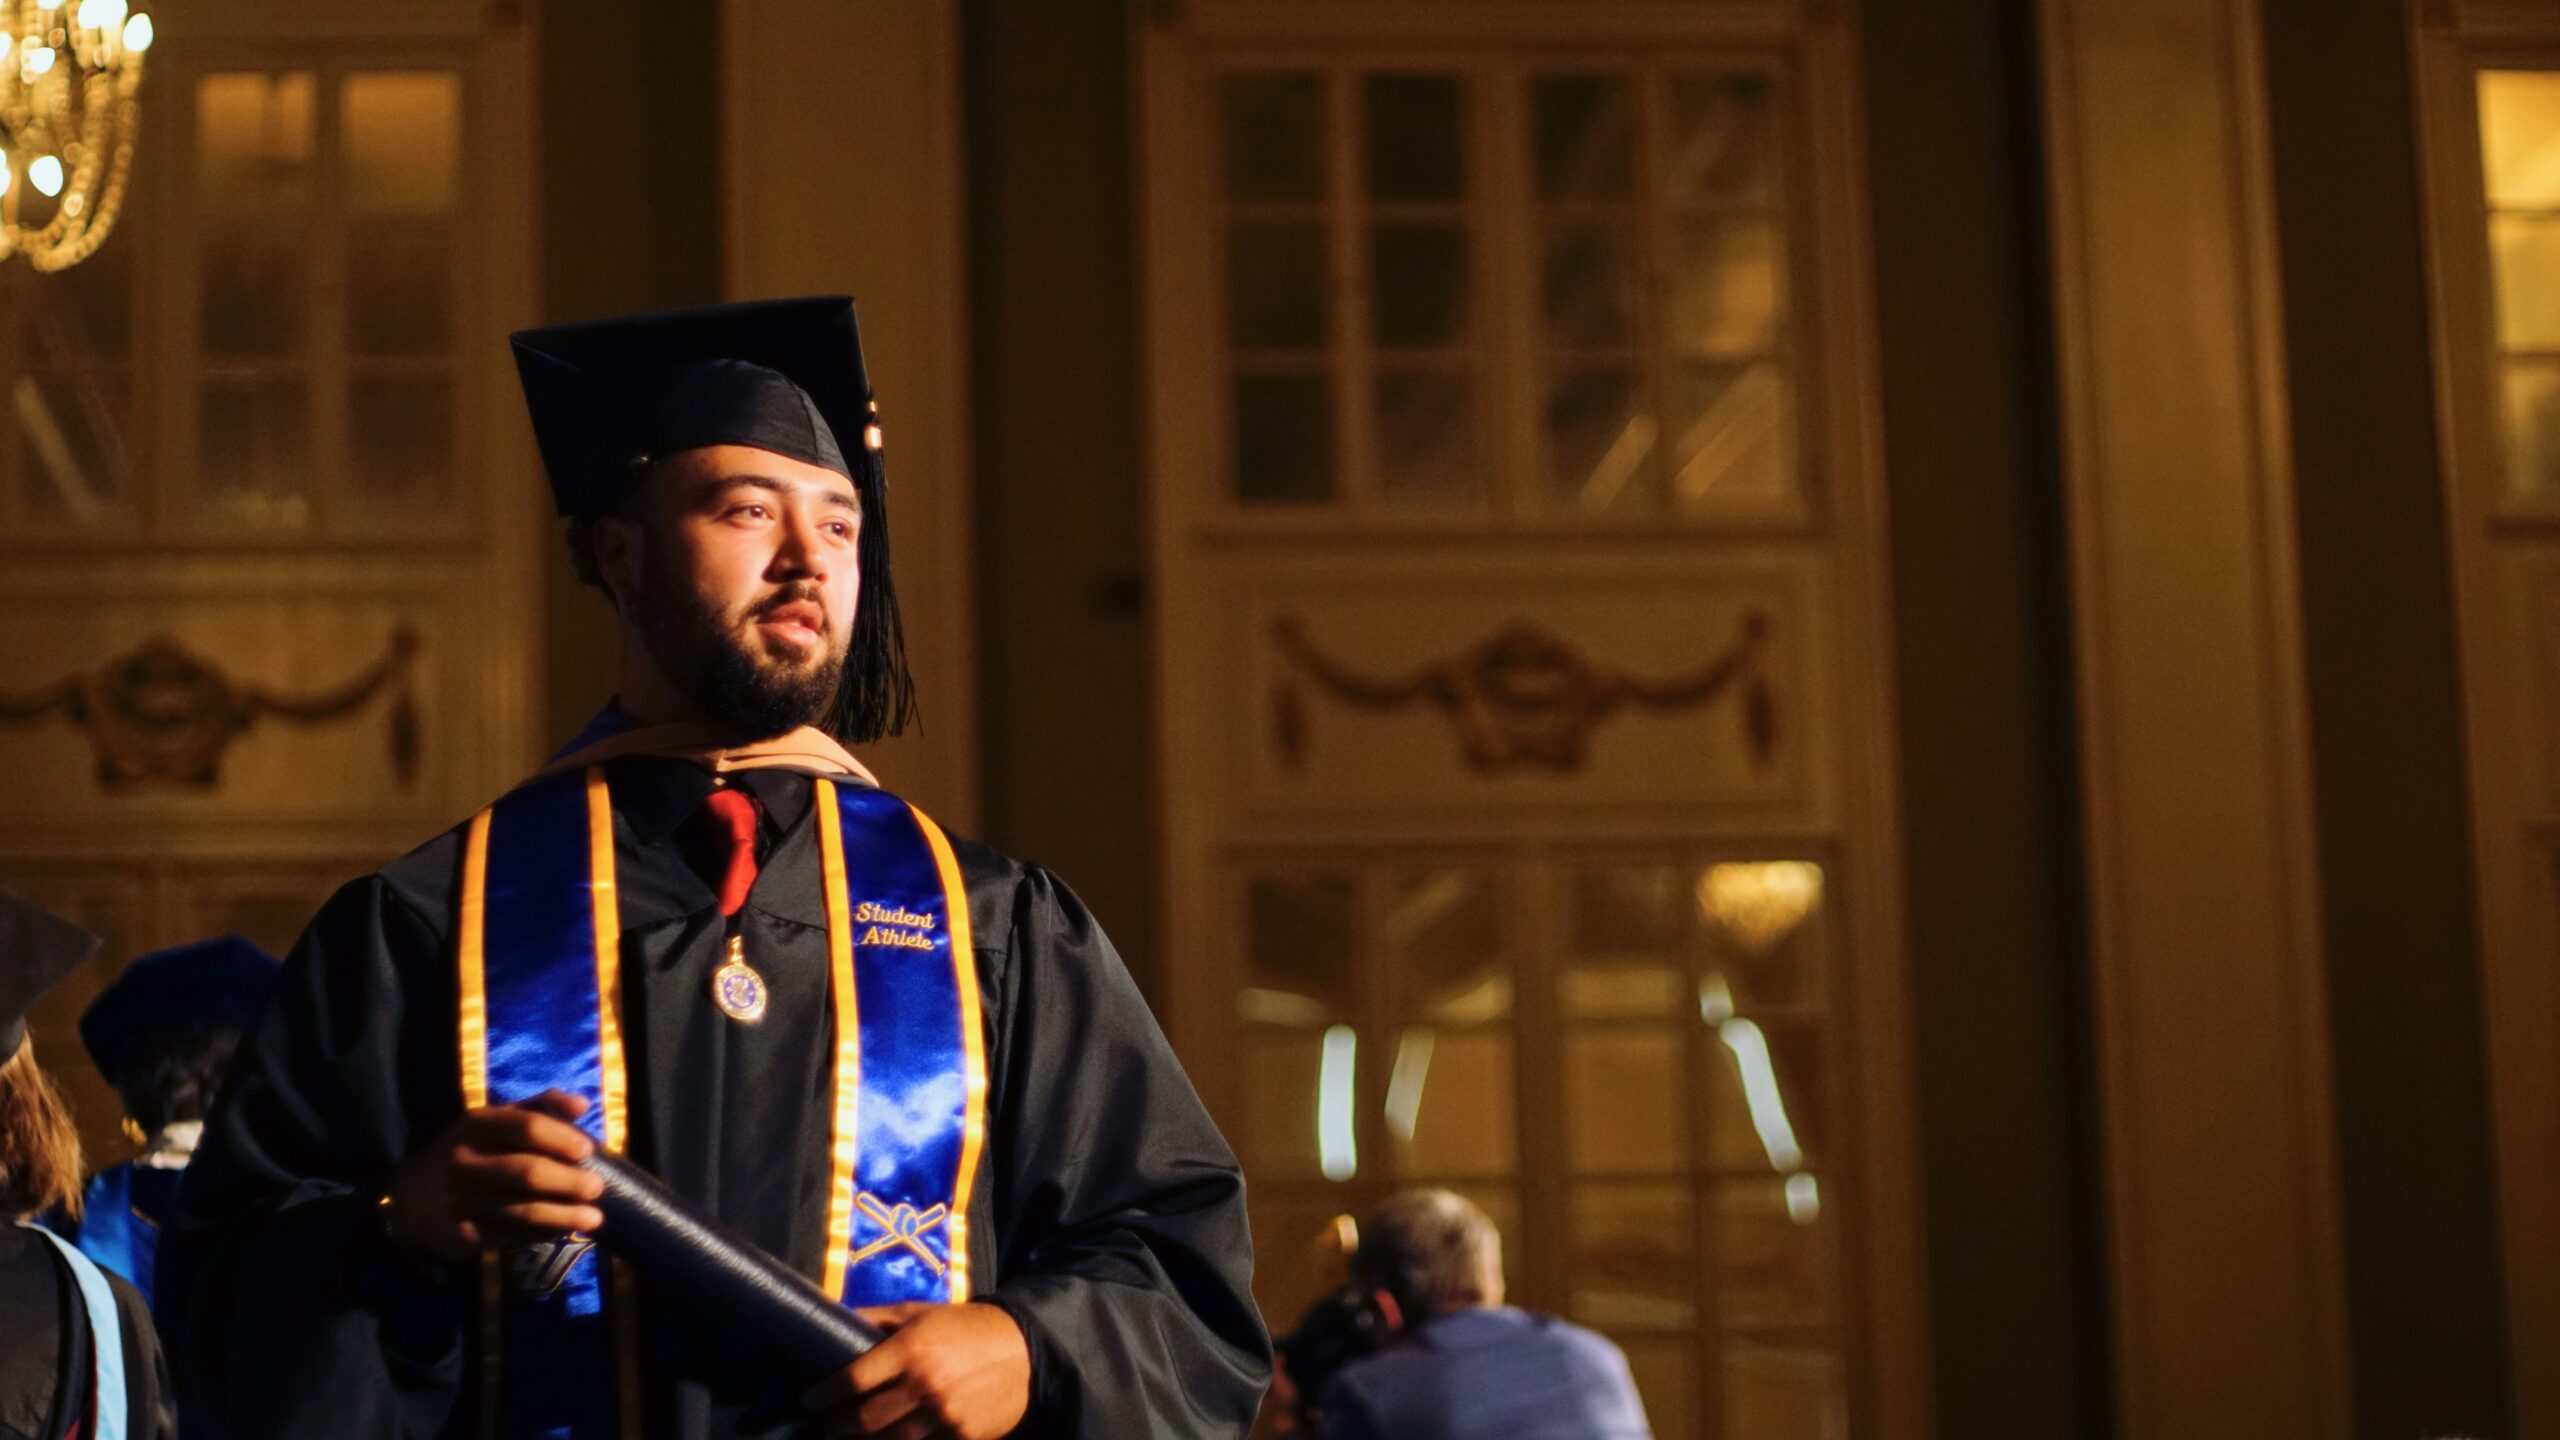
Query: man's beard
x=758 y=695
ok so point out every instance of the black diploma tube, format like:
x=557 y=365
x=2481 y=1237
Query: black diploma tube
x=671 y=1245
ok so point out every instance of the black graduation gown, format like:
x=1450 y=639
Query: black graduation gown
x=38 y=1302
x=1108 y=1210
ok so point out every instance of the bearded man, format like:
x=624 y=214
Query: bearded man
x=908 y=1066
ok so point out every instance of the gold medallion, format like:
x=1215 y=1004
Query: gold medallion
x=736 y=988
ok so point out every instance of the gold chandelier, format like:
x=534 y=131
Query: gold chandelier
x=69 y=74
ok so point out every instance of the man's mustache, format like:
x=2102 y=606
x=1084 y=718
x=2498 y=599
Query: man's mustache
x=797 y=593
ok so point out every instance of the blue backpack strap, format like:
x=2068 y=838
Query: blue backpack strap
x=106 y=1334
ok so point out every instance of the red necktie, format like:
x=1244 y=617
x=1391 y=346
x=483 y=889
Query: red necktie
x=735 y=812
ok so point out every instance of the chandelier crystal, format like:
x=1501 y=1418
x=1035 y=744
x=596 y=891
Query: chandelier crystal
x=70 y=72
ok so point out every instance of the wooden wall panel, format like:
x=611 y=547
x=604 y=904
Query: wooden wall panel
x=2211 y=1016
x=857 y=188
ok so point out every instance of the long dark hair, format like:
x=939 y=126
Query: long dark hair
x=878 y=694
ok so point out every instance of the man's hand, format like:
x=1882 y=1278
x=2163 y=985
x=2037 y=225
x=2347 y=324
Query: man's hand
x=500 y=1175
x=946 y=1372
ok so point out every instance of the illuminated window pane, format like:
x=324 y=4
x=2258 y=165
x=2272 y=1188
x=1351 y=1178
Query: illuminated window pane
x=1665 y=1368
x=400 y=428
x=1635 y=1257
x=401 y=142
x=1626 y=1091
x=1641 y=908
x=1274 y=130
x=1416 y=138
x=2533 y=429
x=1301 y=947
x=254 y=142
x=1774 y=1393
x=1770 y=1238
x=1283 y=438
x=1600 y=440
x=1276 y=287
x=75 y=458
x=1733 y=433
x=1606 y=991
x=1418 y=282
x=1443 y=929
x=399 y=288
x=1426 y=437
x=2520 y=138
x=2520 y=160
x=2527 y=250
x=252 y=455
x=1585 y=137
x=72 y=409
x=1448 y=1083
x=1589 y=287
x=1727 y=285
x=78 y=317
x=250 y=295
x=1721 y=140
x=1449 y=1103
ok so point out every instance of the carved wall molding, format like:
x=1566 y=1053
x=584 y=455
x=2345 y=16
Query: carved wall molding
x=1526 y=698
x=163 y=715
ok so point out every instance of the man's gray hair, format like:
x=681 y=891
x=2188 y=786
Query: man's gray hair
x=1433 y=1250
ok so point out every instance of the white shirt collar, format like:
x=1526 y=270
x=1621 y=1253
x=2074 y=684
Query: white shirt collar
x=172 y=1147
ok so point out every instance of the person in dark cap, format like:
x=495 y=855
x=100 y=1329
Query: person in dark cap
x=161 y=1034
x=78 y=1355
x=702 y=936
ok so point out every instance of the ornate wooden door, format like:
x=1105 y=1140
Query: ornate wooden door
x=1524 y=698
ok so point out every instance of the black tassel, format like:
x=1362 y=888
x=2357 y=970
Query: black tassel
x=877 y=696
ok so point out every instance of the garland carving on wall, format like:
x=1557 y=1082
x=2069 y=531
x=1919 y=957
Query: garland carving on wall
x=163 y=715
x=1526 y=698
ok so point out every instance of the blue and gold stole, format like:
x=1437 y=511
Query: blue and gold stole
x=539 y=946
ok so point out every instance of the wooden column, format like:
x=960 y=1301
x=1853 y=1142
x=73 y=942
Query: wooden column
x=841 y=172
x=2224 y=1243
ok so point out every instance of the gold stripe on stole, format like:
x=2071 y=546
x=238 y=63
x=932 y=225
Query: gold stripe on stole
x=973 y=1039
x=848 y=1133
x=471 y=976
x=613 y=1080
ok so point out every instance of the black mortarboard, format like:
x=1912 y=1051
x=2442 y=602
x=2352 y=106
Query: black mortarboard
x=780 y=375
x=168 y=992
x=37 y=948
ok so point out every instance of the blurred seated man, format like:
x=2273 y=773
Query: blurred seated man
x=1458 y=1364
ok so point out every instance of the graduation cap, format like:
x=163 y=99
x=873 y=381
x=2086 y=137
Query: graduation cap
x=37 y=948
x=607 y=396
x=169 y=992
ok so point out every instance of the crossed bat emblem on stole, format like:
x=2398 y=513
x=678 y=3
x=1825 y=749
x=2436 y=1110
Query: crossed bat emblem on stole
x=906 y=1226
